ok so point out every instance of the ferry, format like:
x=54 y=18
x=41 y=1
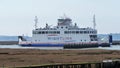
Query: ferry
x=65 y=34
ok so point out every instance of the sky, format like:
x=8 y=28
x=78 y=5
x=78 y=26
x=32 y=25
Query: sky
x=17 y=16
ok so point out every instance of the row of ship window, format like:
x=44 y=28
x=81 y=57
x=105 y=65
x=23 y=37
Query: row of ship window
x=79 y=32
x=81 y=40
x=55 y=39
x=65 y=32
x=46 y=32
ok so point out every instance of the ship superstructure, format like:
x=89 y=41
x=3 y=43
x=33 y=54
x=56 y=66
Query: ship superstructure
x=65 y=33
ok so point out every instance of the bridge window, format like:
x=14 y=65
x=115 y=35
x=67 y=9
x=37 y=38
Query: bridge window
x=66 y=32
x=43 y=32
x=46 y=32
x=39 y=32
x=85 y=32
x=77 y=32
x=81 y=32
x=73 y=32
x=58 y=32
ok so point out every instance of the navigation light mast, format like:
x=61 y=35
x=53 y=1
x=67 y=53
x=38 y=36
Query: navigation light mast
x=94 y=22
x=36 y=21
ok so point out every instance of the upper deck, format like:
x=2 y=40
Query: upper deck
x=64 y=25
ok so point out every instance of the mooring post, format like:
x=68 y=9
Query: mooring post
x=59 y=66
x=82 y=65
x=3 y=66
x=89 y=65
x=98 y=65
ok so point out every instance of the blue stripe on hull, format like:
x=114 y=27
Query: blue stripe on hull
x=42 y=45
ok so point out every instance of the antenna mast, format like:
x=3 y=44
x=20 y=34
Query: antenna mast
x=36 y=21
x=94 y=22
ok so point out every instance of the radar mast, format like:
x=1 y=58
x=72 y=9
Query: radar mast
x=94 y=22
x=36 y=22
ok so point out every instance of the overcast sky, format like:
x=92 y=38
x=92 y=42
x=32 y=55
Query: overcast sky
x=17 y=16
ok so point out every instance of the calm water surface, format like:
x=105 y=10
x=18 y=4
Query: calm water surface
x=20 y=47
x=113 y=47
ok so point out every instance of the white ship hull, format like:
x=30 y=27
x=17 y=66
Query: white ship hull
x=65 y=34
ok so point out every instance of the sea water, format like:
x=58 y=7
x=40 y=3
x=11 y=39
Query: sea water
x=113 y=47
x=20 y=47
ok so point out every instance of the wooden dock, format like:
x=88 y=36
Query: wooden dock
x=105 y=64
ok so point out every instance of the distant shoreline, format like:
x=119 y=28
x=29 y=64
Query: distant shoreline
x=8 y=42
